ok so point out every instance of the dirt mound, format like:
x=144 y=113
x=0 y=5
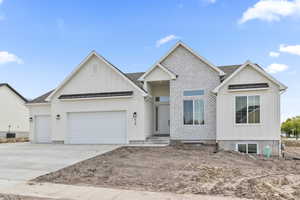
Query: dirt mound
x=186 y=169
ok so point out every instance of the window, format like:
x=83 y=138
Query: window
x=188 y=112
x=193 y=93
x=247 y=109
x=253 y=110
x=193 y=112
x=162 y=99
x=242 y=148
x=252 y=148
x=247 y=148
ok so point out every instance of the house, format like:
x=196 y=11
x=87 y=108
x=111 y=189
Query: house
x=13 y=112
x=182 y=96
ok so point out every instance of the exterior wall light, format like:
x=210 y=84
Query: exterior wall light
x=30 y=119
x=58 y=117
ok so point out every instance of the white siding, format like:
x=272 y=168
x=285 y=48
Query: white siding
x=149 y=118
x=268 y=129
x=161 y=90
x=157 y=74
x=95 y=77
x=34 y=111
x=13 y=112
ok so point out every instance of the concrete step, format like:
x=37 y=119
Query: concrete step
x=158 y=140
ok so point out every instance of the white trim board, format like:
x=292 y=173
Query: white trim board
x=93 y=53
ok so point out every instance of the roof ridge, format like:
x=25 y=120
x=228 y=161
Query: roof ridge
x=235 y=65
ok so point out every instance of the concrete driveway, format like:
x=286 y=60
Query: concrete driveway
x=21 y=162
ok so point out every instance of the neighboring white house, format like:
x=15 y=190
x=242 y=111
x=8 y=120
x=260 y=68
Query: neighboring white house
x=14 y=115
x=182 y=96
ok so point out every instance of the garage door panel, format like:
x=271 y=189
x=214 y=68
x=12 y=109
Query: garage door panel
x=97 y=128
x=43 y=129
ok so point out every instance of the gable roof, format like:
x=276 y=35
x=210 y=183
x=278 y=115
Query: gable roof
x=171 y=74
x=13 y=90
x=94 y=53
x=180 y=43
x=258 y=69
x=132 y=76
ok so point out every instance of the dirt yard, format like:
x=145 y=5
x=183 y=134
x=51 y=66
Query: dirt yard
x=186 y=169
x=16 y=197
x=13 y=140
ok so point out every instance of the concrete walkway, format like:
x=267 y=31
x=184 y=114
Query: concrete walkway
x=20 y=162
x=60 y=191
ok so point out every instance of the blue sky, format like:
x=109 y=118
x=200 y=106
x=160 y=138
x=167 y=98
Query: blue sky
x=42 y=41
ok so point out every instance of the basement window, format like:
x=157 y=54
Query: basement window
x=247 y=148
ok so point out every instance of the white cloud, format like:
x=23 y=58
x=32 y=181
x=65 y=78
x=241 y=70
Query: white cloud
x=6 y=57
x=271 y=10
x=274 y=54
x=166 y=39
x=292 y=49
x=275 y=68
x=2 y=17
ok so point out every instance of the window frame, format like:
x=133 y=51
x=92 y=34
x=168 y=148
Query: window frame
x=247 y=143
x=193 y=100
x=247 y=123
x=193 y=90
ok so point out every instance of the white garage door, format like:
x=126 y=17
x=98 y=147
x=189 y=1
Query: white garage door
x=43 y=129
x=97 y=128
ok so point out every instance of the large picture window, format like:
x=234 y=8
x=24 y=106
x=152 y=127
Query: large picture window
x=193 y=112
x=247 y=109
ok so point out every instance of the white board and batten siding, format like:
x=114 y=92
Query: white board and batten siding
x=43 y=129
x=96 y=128
x=95 y=76
x=269 y=126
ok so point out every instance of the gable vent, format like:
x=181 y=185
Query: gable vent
x=248 y=86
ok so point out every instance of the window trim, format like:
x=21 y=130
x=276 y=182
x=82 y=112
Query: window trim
x=193 y=100
x=260 y=109
x=247 y=143
x=190 y=90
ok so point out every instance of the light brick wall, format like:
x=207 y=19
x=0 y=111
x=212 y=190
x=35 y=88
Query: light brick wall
x=192 y=74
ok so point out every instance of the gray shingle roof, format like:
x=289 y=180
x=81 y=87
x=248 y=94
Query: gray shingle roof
x=134 y=78
x=229 y=69
x=42 y=98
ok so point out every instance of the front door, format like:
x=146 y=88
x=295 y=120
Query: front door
x=163 y=119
